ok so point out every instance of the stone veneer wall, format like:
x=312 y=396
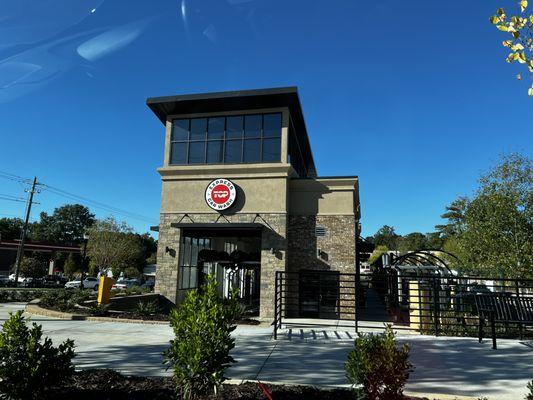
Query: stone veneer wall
x=273 y=252
x=338 y=244
x=338 y=253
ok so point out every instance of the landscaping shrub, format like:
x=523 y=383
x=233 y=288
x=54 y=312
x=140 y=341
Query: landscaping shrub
x=29 y=364
x=99 y=310
x=529 y=396
x=379 y=365
x=64 y=300
x=200 y=353
x=147 y=308
x=19 y=295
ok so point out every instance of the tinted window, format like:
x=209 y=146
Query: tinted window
x=178 y=153
x=233 y=139
x=214 y=151
x=272 y=125
x=197 y=153
x=252 y=126
x=198 y=128
x=216 y=128
x=252 y=150
x=233 y=151
x=271 y=150
x=234 y=127
x=180 y=129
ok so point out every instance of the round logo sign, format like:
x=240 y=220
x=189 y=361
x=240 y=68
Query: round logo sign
x=220 y=194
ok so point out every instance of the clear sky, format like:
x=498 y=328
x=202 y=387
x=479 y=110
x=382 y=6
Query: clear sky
x=414 y=96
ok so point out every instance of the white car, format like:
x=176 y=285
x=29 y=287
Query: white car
x=126 y=283
x=88 y=283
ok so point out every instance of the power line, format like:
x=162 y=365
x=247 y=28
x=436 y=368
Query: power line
x=81 y=199
x=97 y=204
x=13 y=177
x=11 y=198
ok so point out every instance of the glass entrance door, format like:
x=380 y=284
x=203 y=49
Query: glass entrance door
x=319 y=294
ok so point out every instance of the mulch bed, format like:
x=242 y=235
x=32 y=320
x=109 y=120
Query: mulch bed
x=110 y=385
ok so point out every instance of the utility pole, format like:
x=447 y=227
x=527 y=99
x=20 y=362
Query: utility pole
x=20 y=252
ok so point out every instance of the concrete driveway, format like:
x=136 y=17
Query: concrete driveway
x=454 y=366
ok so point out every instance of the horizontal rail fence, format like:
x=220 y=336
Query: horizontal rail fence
x=427 y=304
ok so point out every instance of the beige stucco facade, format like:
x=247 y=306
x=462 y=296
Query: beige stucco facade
x=289 y=208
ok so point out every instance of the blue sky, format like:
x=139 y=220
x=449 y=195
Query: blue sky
x=413 y=97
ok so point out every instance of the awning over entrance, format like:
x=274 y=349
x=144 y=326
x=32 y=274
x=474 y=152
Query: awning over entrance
x=222 y=228
x=217 y=226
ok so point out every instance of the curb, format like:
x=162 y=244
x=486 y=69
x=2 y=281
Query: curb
x=34 y=309
x=431 y=396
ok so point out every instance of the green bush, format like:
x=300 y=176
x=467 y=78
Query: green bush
x=64 y=300
x=30 y=365
x=200 y=353
x=99 y=310
x=147 y=308
x=529 y=396
x=19 y=295
x=378 y=365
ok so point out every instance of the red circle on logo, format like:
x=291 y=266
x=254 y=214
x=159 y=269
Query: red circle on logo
x=220 y=194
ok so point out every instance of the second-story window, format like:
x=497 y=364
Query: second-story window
x=235 y=139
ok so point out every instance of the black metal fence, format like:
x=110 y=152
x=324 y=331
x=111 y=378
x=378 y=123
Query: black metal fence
x=429 y=303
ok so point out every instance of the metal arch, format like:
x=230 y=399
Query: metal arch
x=443 y=251
x=439 y=259
x=423 y=254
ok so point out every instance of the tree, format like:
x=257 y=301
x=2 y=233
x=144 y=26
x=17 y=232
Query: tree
x=114 y=246
x=386 y=236
x=412 y=242
x=520 y=30
x=31 y=267
x=10 y=228
x=67 y=224
x=72 y=264
x=377 y=253
x=455 y=214
x=496 y=235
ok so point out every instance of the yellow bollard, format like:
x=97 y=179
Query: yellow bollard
x=104 y=289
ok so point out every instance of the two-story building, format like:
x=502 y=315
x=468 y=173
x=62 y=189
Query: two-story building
x=241 y=198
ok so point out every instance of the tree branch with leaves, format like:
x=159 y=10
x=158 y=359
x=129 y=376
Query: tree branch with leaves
x=520 y=29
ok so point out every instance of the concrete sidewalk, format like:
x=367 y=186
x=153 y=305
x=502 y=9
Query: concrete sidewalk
x=453 y=366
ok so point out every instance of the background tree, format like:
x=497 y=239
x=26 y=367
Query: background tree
x=496 y=237
x=412 y=242
x=10 y=228
x=377 y=253
x=386 y=236
x=520 y=40
x=72 y=264
x=114 y=246
x=31 y=267
x=455 y=214
x=67 y=224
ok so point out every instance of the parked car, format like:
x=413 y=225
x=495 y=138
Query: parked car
x=54 y=281
x=148 y=285
x=88 y=283
x=4 y=281
x=125 y=283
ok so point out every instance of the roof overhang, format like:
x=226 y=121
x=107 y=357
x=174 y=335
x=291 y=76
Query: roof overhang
x=252 y=226
x=285 y=97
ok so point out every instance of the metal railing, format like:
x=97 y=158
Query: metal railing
x=428 y=304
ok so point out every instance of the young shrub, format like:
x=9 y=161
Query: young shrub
x=29 y=364
x=378 y=365
x=529 y=396
x=146 y=308
x=63 y=300
x=199 y=354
